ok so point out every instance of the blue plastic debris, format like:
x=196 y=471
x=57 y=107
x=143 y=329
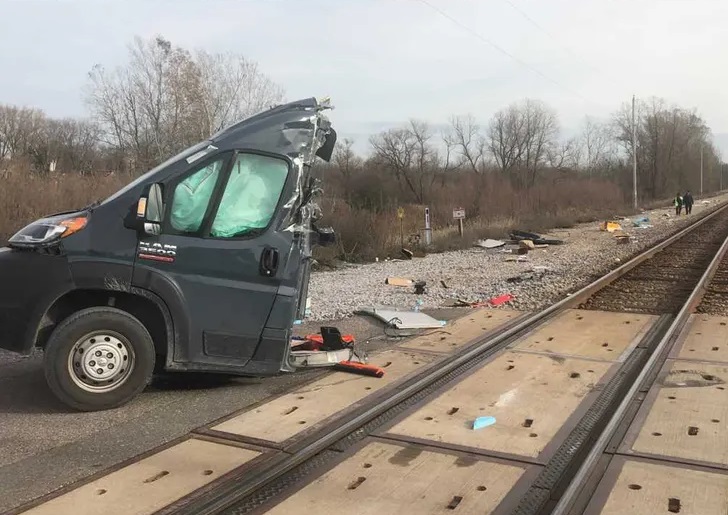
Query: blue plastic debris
x=640 y=222
x=482 y=422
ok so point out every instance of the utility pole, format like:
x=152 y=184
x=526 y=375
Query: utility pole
x=701 y=169
x=634 y=157
x=721 y=176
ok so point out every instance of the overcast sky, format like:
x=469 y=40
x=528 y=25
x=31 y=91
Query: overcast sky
x=384 y=61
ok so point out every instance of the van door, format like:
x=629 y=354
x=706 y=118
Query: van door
x=220 y=253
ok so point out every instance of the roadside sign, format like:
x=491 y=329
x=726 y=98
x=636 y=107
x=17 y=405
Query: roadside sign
x=400 y=213
x=428 y=228
x=458 y=214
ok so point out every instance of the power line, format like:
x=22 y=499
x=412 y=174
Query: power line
x=539 y=27
x=500 y=49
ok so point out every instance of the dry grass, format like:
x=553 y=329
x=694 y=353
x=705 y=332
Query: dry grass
x=367 y=225
x=25 y=197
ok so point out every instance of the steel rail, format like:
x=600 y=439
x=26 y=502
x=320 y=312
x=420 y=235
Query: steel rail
x=572 y=492
x=228 y=494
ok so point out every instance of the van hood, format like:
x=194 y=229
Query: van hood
x=299 y=130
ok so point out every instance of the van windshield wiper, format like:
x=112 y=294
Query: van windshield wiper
x=91 y=206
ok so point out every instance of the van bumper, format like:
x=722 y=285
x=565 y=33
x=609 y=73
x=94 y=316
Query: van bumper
x=29 y=284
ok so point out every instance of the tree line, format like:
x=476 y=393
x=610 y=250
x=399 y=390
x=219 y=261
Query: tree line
x=165 y=98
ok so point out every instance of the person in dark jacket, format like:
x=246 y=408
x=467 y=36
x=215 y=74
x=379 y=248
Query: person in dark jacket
x=678 y=202
x=688 y=201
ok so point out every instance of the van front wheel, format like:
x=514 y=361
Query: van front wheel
x=99 y=358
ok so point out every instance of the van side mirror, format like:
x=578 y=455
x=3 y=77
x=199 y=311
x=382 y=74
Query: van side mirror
x=324 y=237
x=150 y=210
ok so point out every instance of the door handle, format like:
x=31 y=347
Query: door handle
x=269 y=262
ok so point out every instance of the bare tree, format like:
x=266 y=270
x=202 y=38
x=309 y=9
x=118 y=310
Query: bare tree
x=505 y=138
x=521 y=136
x=231 y=88
x=597 y=145
x=669 y=140
x=347 y=162
x=20 y=129
x=165 y=98
x=409 y=153
x=467 y=141
x=563 y=155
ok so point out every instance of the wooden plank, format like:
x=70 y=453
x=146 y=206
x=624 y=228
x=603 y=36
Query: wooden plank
x=691 y=395
x=387 y=478
x=645 y=488
x=288 y=415
x=707 y=339
x=589 y=334
x=462 y=331
x=514 y=388
x=152 y=483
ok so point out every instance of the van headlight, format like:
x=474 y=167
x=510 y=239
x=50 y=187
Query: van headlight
x=47 y=231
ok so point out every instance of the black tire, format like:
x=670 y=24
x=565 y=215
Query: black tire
x=84 y=324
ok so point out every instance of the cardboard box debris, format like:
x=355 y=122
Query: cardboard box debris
x=526 y=244
x=399 y=281
x=610 y=226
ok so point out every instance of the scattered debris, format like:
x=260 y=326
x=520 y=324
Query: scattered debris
x=359 y=368
x=610 y=226
x=489 y=244
x=622 y=238
x=642 y=223
x=526 y=244
x=481 y=422
x=519 y=259
x=405 y=282
x=501 y=299
x=536 y=272
x=408 y=254
x=399 y=281
x=443 y=284
x=460 y=303
x=535 y=238
x=400 y=319
x=330 y=348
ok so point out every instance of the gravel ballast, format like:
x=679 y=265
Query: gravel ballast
x=478 y=275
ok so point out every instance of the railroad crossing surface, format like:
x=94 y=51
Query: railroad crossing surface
x=637 y=361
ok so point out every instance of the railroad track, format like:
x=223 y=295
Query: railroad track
x=655 y=292
x=665 y=281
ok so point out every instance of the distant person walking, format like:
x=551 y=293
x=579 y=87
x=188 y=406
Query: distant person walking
x=688 y=201
x=678 y=204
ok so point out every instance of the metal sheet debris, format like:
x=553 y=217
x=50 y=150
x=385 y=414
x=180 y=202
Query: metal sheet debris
x=400 y=319
x=490 y=244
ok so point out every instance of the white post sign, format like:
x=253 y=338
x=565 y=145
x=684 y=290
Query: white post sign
x=459 y=215
x=428 y=227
